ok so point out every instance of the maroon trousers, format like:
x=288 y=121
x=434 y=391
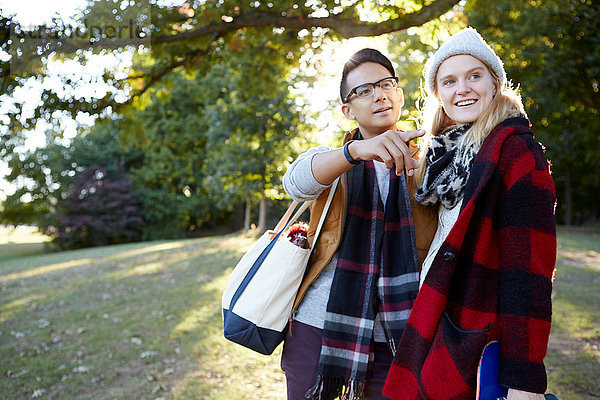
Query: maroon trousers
x=300 y=360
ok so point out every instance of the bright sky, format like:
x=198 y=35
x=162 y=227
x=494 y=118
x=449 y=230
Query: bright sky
x=36 y=12
x=325 y=92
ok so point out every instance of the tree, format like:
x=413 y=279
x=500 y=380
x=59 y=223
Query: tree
x=409 y=52
x=189 y=39
x=44 y=176
x=165 y=141
x=170 y=130
x=101 y=209
x=252 y=122
x=186 y=36
x=551 y=49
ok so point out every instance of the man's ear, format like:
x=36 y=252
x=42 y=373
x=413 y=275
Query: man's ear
x=401 y=96
x=347 y=111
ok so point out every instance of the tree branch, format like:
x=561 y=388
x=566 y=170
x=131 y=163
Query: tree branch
x=345 y=26
x=155 y=77
x=342 y=23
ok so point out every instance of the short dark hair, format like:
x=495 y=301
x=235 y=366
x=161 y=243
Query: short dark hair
x=360 y=57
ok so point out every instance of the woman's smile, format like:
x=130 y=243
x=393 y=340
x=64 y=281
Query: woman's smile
x=465 y=88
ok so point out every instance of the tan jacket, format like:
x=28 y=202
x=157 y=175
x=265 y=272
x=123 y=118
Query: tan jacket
x=425 y=222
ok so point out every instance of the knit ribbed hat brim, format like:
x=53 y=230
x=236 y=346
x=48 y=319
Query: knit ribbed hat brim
x=467 y=41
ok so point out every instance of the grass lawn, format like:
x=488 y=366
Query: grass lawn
x=573 y=360
x=143 y=321
x=21 y=241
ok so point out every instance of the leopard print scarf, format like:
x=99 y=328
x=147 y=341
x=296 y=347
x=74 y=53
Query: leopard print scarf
x=447 y=170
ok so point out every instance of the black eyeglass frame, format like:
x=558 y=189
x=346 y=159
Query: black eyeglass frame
x=353 y=90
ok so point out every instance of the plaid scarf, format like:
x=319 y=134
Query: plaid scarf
x=376 y=272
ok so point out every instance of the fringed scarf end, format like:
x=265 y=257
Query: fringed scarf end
x=330 y=388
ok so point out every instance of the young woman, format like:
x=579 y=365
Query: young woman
x=488 y=273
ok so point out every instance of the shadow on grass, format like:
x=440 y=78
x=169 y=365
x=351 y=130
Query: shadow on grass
x=573 y=359
x=143 y=321
x=132 y=321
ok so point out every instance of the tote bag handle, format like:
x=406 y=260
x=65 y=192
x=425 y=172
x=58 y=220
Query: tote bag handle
x=285 y=220
x=267 y=250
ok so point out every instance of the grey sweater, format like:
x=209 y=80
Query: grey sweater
x=300 y=184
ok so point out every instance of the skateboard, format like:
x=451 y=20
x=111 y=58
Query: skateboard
x=488 y=386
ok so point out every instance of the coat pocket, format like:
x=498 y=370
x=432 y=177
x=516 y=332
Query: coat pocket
x=450 y=368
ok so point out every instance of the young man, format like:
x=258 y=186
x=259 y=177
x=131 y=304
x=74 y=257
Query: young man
x=363 y=274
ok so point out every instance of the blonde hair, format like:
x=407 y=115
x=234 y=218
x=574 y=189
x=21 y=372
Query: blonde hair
x=505 y=104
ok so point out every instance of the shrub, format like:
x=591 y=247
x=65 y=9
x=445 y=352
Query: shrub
x=101 y=209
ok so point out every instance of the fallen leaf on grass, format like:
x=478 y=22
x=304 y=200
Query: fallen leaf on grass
x=136 y=340
x=159 y=387
x=147 y=354
x=38 y=393
x=43 y=323
x=81 y=369
x=10 y=374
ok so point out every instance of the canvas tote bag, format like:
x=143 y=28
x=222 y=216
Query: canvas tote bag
x=258 y=299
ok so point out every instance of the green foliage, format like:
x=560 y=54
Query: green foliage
x=202 y=120
x=214 y=139
x=45 y=173
x=251 y=120
x=551 y=49
x=409 y=52
x=170 y=131
x=196 y=146
x=167 y=35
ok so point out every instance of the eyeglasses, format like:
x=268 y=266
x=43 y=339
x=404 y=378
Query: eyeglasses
x=367 y=89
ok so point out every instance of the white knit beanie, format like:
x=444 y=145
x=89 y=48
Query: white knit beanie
x=467 y=41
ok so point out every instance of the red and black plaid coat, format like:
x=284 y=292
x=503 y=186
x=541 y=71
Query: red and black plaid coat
x=491 y=279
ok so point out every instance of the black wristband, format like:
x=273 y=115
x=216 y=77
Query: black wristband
x=348 y=156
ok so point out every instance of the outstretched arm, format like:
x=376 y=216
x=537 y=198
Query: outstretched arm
x=390 y=147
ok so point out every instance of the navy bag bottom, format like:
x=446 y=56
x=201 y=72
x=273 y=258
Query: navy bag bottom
x=243 y=332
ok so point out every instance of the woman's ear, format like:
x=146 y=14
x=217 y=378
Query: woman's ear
x=497 y=88
x=347 y=111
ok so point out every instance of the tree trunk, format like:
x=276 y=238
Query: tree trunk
x=568 y=186
x=247 y=217
x=568 y=198
x=262 y=214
